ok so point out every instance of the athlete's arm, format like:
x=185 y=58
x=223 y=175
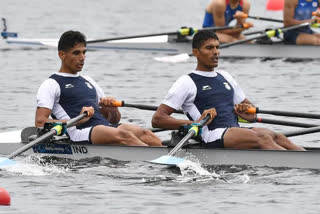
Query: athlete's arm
x=163 y=119
x=42 y=116
x=111 y=113
x=242 y=108
x=217 y=9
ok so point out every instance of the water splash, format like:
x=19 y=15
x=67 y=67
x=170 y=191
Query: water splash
x=192 y=171
x=32 y=166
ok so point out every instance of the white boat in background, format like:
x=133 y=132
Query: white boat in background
x=171 y=45
x=62 y=147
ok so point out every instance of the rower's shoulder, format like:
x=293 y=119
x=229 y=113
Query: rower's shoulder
x=217 y=5
x=291 y=3
x=246 y=4
x=224 y=74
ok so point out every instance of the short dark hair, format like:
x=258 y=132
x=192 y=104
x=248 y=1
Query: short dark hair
x=202 y=36
x=69 y=39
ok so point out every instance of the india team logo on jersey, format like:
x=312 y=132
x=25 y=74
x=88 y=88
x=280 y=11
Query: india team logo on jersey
x=314 y=4
x=89 y=85
x=227 y=85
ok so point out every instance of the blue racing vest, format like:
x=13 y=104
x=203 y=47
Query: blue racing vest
x=77 y=92
x=228 y=15
x=215 y=92
x=305 y=8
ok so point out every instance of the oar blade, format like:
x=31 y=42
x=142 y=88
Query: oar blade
x=168 y=160
x=173 y=59
x=6 y=162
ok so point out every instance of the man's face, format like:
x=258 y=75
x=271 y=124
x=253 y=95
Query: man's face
x=208 y=54
x=73 y=59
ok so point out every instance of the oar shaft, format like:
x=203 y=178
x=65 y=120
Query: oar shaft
x=139 y=106
x=182 y=31
x=26 y=147
x=265 y=19
x=190 y=134
x=285 y=123
x=181 y=143
x=285 y=113
x=47 y=135
x=302 y=131
x=269 y=33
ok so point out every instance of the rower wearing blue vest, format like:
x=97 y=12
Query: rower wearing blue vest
x=297 y=12
x=221 y=12
x=207 y=90
x=66 y=94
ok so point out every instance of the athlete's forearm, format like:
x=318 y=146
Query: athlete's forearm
x=168 y=122
x=112 y=114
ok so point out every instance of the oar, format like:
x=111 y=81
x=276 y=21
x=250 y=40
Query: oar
x=54 y=131
x=181 y=32
x=284 y=113
x=285 y=123
x=269 y=33
x=252 y=110
x=139 y=106
x=302 y=131
x=260 y=18
x=169 y=159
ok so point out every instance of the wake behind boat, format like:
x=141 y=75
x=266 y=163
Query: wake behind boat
x=62 y=147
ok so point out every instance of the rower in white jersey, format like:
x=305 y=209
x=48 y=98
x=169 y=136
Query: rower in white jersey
x=206 y=90
x=66 y=94
x=297 y=12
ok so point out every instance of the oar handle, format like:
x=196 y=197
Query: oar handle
x=253 y=110
x=138 y=106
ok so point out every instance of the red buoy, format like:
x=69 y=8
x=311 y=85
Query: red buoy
x=275 y=4
x=4 y=197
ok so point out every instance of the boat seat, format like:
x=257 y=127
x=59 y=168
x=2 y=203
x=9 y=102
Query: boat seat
x=55 y=138
x=29 y=134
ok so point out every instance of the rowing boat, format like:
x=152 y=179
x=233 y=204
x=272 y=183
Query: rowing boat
x=170 y=44
x=62 y=147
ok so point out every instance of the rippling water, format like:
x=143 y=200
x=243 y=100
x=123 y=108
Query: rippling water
x=108 y=186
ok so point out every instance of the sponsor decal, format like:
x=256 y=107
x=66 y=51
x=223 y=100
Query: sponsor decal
x=52 y=148
x=206 y=87
x=69 y=85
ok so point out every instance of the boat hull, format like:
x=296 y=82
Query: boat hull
x=292 y=159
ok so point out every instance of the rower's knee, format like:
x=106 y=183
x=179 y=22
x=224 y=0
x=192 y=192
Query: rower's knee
x=264 y=141
x=124 y=135
x=150 y=138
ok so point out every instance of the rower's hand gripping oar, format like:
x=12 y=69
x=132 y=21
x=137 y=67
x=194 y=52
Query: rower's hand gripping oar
x=56 y=130
x=169 y=159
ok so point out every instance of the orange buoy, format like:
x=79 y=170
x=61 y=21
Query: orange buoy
x=275 y=4
x=4 y=197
